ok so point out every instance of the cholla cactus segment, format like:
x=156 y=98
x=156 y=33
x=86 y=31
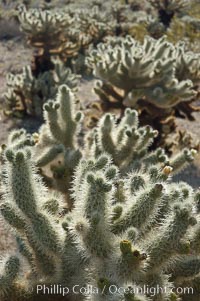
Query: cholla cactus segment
x=10 y=273
x=95 y=243
x=176 y=162
x=62 y=120
x=57 y=152
x=186 y=268
x=25 y=214
x=20 y=138
x=187 y=63
x=26 y=197
x=174 y=231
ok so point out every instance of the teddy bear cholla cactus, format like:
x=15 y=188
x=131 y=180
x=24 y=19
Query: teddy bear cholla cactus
x=152 y=69
x=64 y=33
x=26 y=93
x=127 y=223
x=59 y=145
x=121 y=253
x=156 y=77
x=45 y=31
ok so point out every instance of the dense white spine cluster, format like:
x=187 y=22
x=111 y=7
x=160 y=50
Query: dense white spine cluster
x=126 y=224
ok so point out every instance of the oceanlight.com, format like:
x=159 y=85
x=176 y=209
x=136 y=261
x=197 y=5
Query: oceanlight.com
x=57 y=289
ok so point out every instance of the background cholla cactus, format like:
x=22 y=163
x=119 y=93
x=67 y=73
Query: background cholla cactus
x=158 y=78
x=128 y=225
x=168 y=8
x=44 y=30
x=119 y=15
x=135 y=23
x=65 y=32
x=26 y=93
x=91 y=25
x=69 y=32
x=94 y=23
x=186 y=29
